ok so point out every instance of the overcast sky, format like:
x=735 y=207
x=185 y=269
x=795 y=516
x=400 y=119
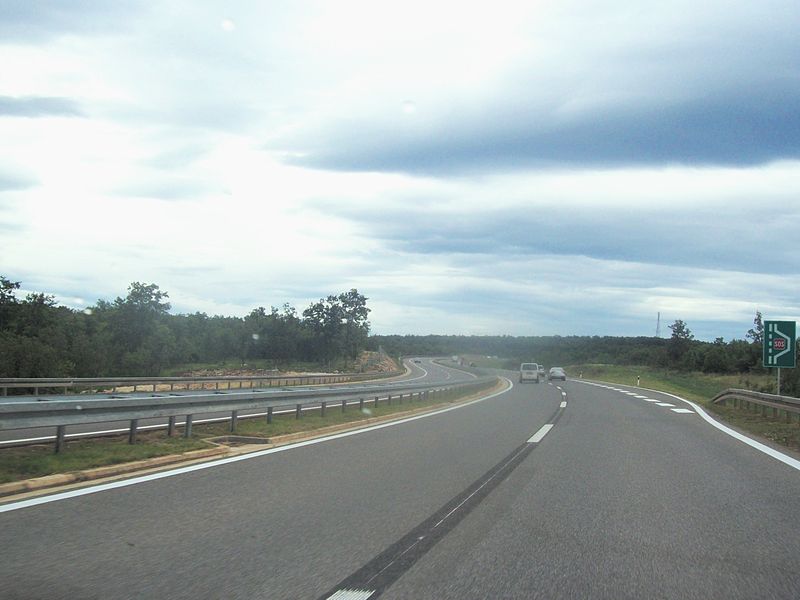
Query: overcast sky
x=525 y=168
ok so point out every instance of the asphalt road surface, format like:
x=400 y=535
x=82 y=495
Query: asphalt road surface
x=539 y=492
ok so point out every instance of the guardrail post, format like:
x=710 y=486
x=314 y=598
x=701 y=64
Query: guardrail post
x=361 y=404
x=376 y=401
x=389 y=398
x=132 y=431
x=60 y=431
x=322 y=408
x=171 y=427
x=234 y=419
x=269 y=415
x=35 y=391
x=187 y=430
x=298 y=411
x=344 y=405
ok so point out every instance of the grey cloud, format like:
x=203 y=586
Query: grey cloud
x=13 y=181
x=173 y=188
x=700 y=237
x=36 y=20
x=175 y=159
x=752 y=127
x=38 y=106
x=716 y=87
x=7 y=228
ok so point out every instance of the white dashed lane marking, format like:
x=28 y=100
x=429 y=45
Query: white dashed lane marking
x=351 y=595
x=682 y=411
x=537 y=437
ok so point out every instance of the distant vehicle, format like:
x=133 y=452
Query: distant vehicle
x=416 y=360
x=557 y=373
x=529 y=372
x=541 y=371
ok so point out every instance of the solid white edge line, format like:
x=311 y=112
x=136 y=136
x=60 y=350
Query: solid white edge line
x=224 y=461
x=539 y=435
x=776 y=454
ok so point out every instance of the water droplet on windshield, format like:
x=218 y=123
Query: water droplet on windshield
x=409 y=107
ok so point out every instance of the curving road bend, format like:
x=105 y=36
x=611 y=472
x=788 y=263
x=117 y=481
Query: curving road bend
x=422 y=371
x=573 y=490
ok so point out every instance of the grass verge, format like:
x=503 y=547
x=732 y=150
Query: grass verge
x=36 y=461
x=26 y=462
x=701 y=388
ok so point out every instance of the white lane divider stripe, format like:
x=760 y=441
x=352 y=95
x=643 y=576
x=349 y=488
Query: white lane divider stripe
x=650 y=400
x=664 y=404
x=563 y=405
x=537 y=437
x=351 y=595
x=683 y=411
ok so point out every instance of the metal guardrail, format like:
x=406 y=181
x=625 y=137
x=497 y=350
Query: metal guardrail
x=82 y=411
x=38 y=384
x=747 y=399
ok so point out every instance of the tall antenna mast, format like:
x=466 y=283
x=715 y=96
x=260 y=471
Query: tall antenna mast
x=658 y=326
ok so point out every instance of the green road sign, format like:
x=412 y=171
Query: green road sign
x=780 y=342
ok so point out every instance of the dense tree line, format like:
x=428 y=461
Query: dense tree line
x=678 y=352
x=137 y=335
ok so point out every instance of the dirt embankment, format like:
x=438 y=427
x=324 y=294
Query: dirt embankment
x=367 y=362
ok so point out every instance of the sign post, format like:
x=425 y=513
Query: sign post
x=780 y=346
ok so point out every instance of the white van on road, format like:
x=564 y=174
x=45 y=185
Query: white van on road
x=529 y=372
